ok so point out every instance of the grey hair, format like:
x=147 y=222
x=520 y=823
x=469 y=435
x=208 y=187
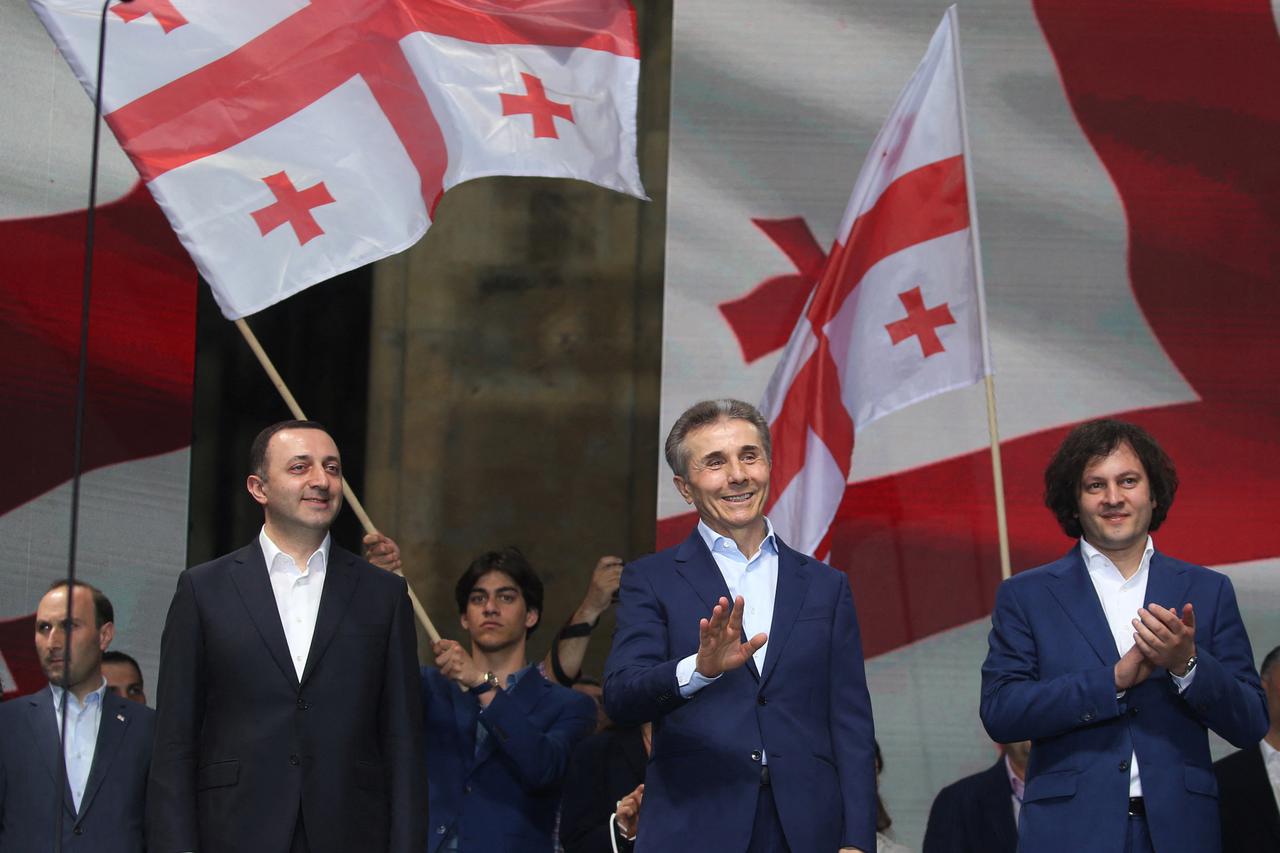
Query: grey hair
x=708 y=412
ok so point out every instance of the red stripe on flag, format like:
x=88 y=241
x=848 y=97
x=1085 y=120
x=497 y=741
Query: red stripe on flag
x=923 y=204
x=320 y=47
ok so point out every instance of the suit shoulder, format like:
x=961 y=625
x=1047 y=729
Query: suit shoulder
x=1040 y=574
x=218 y=565
x=387 y=581
x=580 y=703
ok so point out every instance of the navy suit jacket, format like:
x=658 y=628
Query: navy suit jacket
x=974 y=815
x=243 y=745
x=605 y=768
x=110 y=816
x=504 y=799
x=1049 y=678
x=809 y=708
x=1250 y=819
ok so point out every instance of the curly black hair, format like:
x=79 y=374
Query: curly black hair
x=1095 y=440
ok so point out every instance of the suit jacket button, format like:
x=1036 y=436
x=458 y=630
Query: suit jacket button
x=1133 y=712
x=79 y=830
x=1124 y=765
x=1088 y=717
x=302 y=704
x=761 y=700
x=440 y=830
x=755 y=755
x=466 y=789
x=293 y=759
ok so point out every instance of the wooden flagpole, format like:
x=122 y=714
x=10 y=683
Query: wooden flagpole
x=358 y=508
x=993 y=430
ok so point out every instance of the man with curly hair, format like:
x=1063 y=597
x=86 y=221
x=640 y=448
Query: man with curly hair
x=1116 y=660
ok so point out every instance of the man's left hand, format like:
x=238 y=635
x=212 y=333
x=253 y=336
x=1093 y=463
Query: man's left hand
x=382 y=551
x=1166 y=639
x=455 y=664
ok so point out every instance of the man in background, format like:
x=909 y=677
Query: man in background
x=1249 y=780
x=979 y=813
x=124 y=676
x=108 y=739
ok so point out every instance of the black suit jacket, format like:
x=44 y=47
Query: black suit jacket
x=973 y=815
x=110 y=816
x=243 y=745
x=605 y=768
x=1250 y=819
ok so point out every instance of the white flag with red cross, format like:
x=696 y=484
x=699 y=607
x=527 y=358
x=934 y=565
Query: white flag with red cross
x=289 y=141
x=896 y=316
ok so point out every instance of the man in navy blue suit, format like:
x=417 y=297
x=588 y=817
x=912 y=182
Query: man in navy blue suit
x=979 y=813
x=763 y=740
x=498 y=734
x=108 y=740
x=1116 y=660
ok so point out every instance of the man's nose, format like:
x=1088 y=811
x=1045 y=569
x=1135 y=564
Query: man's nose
x=1112 y=495
x=737 y=472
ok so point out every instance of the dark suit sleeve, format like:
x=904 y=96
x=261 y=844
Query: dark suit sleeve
x=540 y=758
x=852 y=729
x=1016 y=704
x=1226 y=693
x=171 y=788
x=640 y=680
x=401 y=732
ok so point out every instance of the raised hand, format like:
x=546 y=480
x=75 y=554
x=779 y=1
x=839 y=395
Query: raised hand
x=720 y=646
x=382 y=551
x=628 y=812
x=1165 y=638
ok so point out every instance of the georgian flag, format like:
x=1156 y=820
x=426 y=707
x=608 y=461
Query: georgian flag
x=288 y=142
x=896 y=316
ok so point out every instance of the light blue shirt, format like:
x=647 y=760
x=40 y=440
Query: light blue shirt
x=755 y=578
x=83 y=721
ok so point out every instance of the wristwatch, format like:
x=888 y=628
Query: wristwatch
x=1191 y=664
x=489 y=683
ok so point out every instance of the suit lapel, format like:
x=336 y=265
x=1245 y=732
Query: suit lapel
x=999 y=809
x=465 y=713
x=111 y=731
x=44 y=733
x=249 y=574
x=794 y=575
x=695 y=564
x=1074 y=590
x=1167 y=583
x=340 y=583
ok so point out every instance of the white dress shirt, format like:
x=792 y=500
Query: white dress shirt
x=297 y=593
x=1271 y=760
x=83 y=720
x=755 y=578
x=1121 y=599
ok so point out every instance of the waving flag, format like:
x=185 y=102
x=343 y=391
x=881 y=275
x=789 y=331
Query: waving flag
x=288 y=142
x=895 y=317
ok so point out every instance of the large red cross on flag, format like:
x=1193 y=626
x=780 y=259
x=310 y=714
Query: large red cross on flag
x=383 y=103
x=896 y=316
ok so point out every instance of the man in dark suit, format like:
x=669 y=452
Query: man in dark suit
x=108 y=740
x=1115 y=661
x=499 y=735
x=289 y=712
x=1249 y=780
x=760 y=744
x=979 y=813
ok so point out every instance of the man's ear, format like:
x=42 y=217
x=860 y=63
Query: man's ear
x=106 y=634
x=531 y=618
x=257 y=488
x=682 y=488
x=462 y=620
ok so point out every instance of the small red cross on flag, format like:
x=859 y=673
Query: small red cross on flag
x=369 y=116
x=920 y=322
x=543 y=110
x=906 y=233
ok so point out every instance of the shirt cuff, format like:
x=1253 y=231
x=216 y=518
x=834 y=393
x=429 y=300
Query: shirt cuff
x=1184 y=681
x=688 y=679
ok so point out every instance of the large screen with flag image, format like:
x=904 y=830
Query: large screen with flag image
x=1125 y=221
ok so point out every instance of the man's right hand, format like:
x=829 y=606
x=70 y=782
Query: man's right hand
x=628 y=812
x=1132 y=669
x=605 y=579
x=720 y=646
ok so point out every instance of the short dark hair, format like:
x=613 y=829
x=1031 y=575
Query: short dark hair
x=103 y=612
x=1095 y=440
x=708 y=412
x=1269 y=662
x=258 y=450
x=509 y=561
x=113 y=656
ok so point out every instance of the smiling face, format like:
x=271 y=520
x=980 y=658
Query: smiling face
x=497 y=617
x=301 y=486
x=86 y=640
x=728 y=477
x=1116 y=504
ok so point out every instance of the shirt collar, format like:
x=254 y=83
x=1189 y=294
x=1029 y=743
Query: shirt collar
x=1096 y=561
x=270 y=551
x=1269 y=753
x=89 y=698
x=726 y=545
x=1016 y=785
